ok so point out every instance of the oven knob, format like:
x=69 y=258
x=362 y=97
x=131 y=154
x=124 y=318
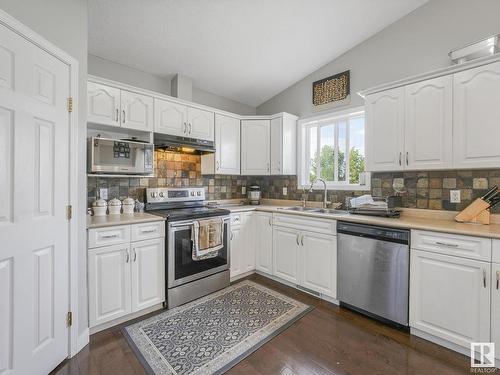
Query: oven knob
x=198 y=193
x=161 y=194
x=154 y=195
x=192 y=193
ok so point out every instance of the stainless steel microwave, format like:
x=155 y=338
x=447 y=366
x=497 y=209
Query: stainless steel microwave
x=116 y=156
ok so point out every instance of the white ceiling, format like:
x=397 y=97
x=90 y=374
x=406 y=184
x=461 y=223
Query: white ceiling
x=245 y=50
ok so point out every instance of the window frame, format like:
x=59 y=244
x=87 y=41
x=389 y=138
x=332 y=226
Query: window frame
x=303 y=149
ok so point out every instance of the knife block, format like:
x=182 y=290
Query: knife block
x=477 y=212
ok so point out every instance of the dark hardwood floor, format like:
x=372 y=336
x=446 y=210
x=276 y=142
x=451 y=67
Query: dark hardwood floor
x=328 y=340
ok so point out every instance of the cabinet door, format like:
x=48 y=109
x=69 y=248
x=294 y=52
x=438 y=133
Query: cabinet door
x=248 y=240
x=495 y=307
x=136 y=111
x=318 y=263
x=264 y=242
x=200 y=124
x=285 y=251
x=236 y=255
x=103 y=104
x=476 y=117
x=170 y=118
x=109 y=283
x=384 y=130
x=428 y=125
x=227 y=145
x=277 y=146
x=148 y=273
x=450 y=297
x=255 y=147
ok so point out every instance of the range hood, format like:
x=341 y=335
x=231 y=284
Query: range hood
x=183 y=144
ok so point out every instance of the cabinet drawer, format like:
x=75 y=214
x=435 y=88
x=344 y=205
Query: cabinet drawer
x=451 y=244
x=109 y=236
x=306 y=223
x=240 y=218
x=147 y=231
x=495 y=256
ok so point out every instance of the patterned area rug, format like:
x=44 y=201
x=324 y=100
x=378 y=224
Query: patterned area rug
x=213 y=333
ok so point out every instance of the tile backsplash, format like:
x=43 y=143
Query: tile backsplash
x=427 y=190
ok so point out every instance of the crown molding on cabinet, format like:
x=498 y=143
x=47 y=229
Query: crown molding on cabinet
x=431 y=74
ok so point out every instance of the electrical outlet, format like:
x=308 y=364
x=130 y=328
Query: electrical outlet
x=103 y=193
x=285 y=190
x=243 y=190
x=454 y=196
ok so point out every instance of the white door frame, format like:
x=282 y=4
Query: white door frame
x=74 y=226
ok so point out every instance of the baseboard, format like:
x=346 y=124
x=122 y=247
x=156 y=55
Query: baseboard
x=242 y=275
x=125 y=318
x=441 y=342
x=83 y=340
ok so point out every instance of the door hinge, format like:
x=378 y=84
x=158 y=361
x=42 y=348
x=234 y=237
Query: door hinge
x=69 y=212
x=69 y=319
x=70 y=104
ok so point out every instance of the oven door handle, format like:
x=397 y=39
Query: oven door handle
x=191 y=223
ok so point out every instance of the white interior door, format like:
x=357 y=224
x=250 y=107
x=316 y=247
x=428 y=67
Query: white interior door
x=34 y=186
x=148 y=273
x=137 y=111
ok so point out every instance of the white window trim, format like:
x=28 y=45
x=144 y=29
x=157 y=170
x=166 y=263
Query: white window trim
x=301 y=159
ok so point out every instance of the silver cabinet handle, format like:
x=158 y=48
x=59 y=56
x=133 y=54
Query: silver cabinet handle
x=302 y=240
x=117 y=114
x=270 y=221
x=123 y=120
x=148 y=230
x=446 y=244
x=231 y=236
x=109 y=236
x=498 y=279
x=400 y=158
x=218 y=165
x=185 y=128
x=135 y=255
x=268 y=167
x=190 y=128
x=127 y=256
x=484 y=278
x=297 y=239
x=406 y=157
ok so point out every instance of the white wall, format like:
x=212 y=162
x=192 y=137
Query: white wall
x=417 y=43
x=121 y=73
x=64 y=23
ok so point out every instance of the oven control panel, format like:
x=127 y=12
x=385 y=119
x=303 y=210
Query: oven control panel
x=165 y=195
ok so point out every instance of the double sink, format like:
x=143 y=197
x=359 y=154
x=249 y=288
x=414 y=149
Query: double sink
x=330 y=211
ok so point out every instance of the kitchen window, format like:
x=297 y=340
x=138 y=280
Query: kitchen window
x=332 y=148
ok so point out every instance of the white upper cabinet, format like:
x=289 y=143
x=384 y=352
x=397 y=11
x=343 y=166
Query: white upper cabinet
x=103 y=104
x=136 y=111
x=384 y=130
x=255 y=147
x=227 y=145
x=283 y=145
x=477 y=117
x=200 y=124
x=170 y=118
x=428 y=126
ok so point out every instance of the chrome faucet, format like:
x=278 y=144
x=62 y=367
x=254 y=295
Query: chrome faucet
x=325 y=200
x=305 y=195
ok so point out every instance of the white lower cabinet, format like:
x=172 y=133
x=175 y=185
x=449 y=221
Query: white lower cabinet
x=242 y=258
x=318 y=263
x=263 y=223
x=125 y=278
x=109 y=283
x=148 y=273
x=285 y=254
x=495 y=308
x=450 y=297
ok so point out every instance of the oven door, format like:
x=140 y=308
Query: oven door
x=181 y=268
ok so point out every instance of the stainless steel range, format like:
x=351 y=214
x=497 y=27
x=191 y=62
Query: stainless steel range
x=188 y=279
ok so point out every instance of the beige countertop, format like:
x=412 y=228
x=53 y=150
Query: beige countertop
x=438 y=221
x=123 y=219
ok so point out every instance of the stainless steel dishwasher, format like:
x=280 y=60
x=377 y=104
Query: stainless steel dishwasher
x=373 y=271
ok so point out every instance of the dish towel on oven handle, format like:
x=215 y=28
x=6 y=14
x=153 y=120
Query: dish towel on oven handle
x=207 y=236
